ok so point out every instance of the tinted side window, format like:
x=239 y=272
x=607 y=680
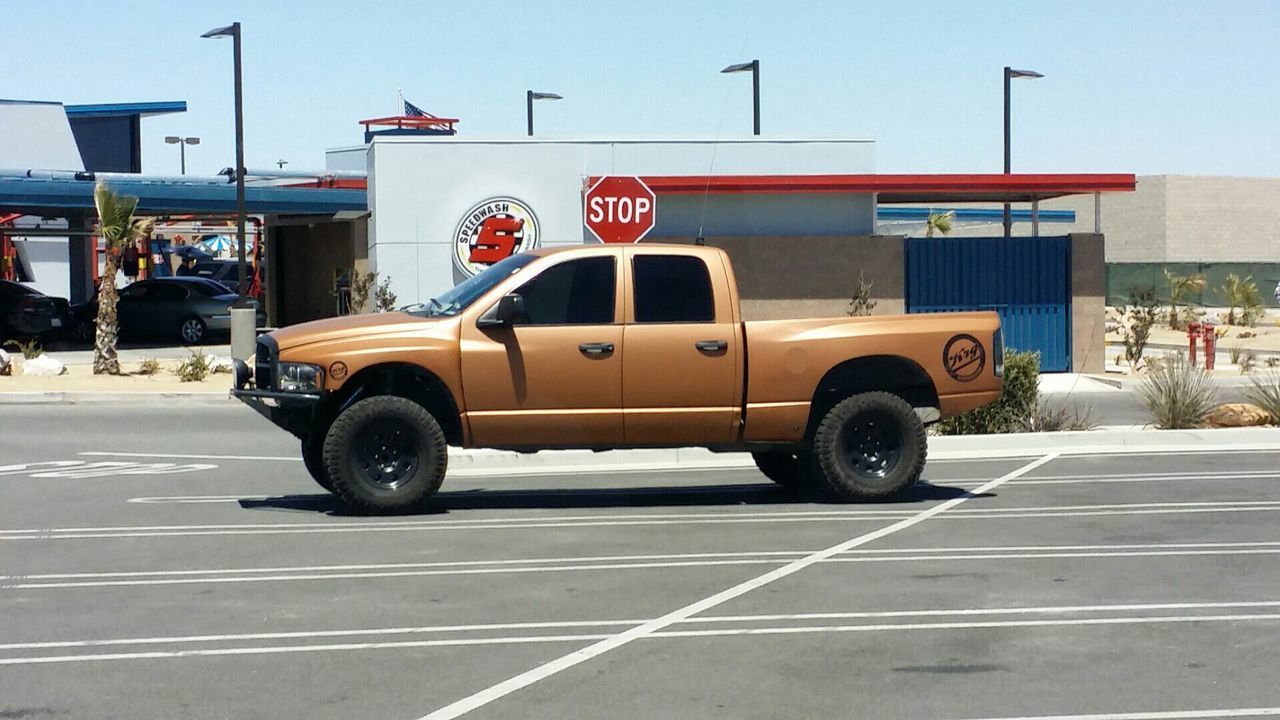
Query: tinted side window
x=578 y=292
x=168 y=291
x=672 y=288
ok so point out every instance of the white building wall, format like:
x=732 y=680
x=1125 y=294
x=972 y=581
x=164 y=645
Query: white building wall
x=420 y=188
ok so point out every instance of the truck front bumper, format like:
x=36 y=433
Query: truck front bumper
x=289 y=410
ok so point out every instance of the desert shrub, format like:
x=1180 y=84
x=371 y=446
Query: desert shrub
x=1244 y=295
x=1265 y=393
x=1233 y=353
x=1177 y=394
x=1248 y=359
x=149 y=366
x=1136 y=322
x=194 y=368
x=1055 y=417
x=1180 y=286
x=30 y=349
x=861 y=303
x=1013 y=411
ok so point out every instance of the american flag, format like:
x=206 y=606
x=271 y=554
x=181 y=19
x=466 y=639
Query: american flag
x=411 y=110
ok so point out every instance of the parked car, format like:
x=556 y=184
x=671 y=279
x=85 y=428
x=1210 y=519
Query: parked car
x=27 y=312
x=226 y=272
x=184 y=308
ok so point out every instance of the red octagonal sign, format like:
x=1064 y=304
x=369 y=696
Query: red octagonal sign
x=619 y=209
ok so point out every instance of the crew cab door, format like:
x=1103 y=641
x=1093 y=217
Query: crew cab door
x=681 y=365
x=554 y=378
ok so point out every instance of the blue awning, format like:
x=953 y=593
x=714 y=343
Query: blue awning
x=56 y=196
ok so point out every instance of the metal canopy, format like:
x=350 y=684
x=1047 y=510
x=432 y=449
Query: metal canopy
x=55 y=196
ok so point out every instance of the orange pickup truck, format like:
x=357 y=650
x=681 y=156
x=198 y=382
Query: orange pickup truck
x=606 y=347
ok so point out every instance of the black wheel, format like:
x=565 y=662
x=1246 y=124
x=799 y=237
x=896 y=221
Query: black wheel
x=385 y=454
x=191 y=329
x=785 y=468
x=868 y=447
x=313 y=458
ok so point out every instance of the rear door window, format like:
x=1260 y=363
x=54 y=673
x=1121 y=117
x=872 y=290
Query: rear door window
x=672 y=289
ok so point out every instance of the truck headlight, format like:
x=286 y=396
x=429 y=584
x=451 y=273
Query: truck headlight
x=300 y=377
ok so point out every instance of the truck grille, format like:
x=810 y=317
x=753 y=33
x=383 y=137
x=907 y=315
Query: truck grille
x=264 y=363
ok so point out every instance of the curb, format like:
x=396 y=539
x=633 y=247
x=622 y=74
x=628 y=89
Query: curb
x=60 y=397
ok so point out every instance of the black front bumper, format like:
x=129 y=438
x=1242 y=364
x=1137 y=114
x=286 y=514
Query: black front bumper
x=292 y=411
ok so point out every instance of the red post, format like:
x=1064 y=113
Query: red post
x=1193 y=331
x=1210 y=345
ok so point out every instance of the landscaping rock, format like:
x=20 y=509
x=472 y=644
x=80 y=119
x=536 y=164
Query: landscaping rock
x=1236 y=415
x=43 y=365
x=6 y=365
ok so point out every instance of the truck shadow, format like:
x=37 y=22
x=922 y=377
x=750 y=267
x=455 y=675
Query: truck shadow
x=631 y=497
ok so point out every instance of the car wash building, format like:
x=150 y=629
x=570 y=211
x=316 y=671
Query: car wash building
x=798 y=217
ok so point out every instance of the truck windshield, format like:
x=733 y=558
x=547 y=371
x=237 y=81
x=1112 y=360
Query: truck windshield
x=468 y=291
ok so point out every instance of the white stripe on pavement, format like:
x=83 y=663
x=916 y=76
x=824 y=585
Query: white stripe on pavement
x=1157 y=715
x=490 y=627
x=502 y=689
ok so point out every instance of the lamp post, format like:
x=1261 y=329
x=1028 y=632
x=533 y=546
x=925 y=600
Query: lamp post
x=1010 y=74
x=233 y=31
x=182 y=143
x=529 y=97
x=754 y=67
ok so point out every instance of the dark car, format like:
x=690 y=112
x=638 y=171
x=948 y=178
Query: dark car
x=186 y=308
x=226 y=272
x=27 y=312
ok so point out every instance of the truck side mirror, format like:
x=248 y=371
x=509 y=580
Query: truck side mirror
x=509 y=309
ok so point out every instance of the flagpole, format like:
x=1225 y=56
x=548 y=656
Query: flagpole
x=400 y=107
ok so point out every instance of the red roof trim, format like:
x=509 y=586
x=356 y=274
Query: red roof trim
x=949 y=185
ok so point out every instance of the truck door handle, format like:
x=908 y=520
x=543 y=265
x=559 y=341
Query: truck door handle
x=603 y=348
x=709 y=346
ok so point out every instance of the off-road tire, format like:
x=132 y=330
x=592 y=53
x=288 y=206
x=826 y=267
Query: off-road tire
x=313 y=459
x=787 y=468
x=870 y=446
x=384 y=432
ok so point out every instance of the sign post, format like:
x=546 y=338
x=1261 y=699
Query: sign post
x=619 y=209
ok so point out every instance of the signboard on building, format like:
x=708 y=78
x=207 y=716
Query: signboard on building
x=493 y=230
x=619 y=209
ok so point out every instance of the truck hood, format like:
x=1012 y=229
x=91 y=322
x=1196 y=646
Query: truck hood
x=348 y=326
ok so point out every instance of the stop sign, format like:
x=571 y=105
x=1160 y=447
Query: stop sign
x=619 y=209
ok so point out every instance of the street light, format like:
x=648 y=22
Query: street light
x=182 y=144
x=754 y=67
x=1010 y=74
x=530 y=96
x=233 y=31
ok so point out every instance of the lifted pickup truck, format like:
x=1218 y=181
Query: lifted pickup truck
x=606 y=347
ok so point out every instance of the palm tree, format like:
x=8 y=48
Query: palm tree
x=1179 y=287
x=118 y=227
x=940 y=222
x=1241 y=294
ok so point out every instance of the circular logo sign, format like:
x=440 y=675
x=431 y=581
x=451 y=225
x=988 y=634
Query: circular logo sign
x=491 y=231
x=963 y=357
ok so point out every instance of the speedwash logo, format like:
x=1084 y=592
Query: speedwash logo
x=493 y=230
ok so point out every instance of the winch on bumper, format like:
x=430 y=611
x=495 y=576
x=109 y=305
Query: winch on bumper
x=258 y=387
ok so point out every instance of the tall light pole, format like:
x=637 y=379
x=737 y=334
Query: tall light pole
x=233 y=31
x=1010 y=74
x=754 y=67
x=529 y=97
x=182 y=143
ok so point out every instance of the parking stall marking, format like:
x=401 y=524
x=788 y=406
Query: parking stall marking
x=147 y=578
x=602 y=520
x=1157 y=715
x=502 y=689
x=662 y=634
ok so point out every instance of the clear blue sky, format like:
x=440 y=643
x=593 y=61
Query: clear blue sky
x=1147 y=87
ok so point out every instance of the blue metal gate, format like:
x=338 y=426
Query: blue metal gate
x=1026 y=280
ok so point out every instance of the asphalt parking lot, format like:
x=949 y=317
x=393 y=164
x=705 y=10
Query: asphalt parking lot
x=136 y=584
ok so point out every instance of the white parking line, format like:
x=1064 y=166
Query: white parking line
x=643 y=519
x=717 y=619
x=610 y=639
x=1158 y=715
x=65 y=581
x=500 y=690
